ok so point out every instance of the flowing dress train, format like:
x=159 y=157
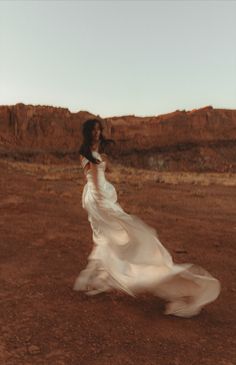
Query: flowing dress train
x=128 y=256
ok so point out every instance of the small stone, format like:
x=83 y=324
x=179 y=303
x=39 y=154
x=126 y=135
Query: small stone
x=20 y=351
x=34 y=350
x=25 y=338
x=66 y=194
x=38 y=242
x=180 y=250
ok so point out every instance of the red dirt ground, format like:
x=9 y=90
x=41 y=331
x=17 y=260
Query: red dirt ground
x=45 y=240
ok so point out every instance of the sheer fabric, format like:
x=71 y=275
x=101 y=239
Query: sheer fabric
x=128 y=256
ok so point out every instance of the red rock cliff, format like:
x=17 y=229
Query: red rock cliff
x=156 y=142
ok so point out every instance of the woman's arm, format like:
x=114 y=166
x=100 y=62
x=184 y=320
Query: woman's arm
x=95 y=179
x=108 y=163
x=87 y=165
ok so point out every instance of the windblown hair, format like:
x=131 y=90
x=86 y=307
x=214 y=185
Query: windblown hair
x=85 y=148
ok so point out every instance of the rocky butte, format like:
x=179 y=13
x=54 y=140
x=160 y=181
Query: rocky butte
x=197 y=140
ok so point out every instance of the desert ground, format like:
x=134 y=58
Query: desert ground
x=45 y=241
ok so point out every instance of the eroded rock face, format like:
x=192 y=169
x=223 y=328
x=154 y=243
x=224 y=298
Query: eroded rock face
x=197 y=139
x=181 y=127
x=41 y=127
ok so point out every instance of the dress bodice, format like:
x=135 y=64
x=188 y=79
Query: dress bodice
x=106 y=189
x=100 y=169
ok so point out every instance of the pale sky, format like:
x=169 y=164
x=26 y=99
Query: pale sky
x=118 y=57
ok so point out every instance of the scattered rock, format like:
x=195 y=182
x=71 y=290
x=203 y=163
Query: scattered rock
x=34 y=350
x=39 y=242
x=180 y=250
x=20 y=351
x=27 y=338
x=66 y=194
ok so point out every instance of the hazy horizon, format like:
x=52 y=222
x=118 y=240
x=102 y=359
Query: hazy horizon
x=114 y=58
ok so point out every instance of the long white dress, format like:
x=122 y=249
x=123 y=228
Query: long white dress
x=128 y=256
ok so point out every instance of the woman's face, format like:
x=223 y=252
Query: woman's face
x=96 y=132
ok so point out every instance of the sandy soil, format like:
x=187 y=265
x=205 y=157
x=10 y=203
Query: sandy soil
x=46 y=238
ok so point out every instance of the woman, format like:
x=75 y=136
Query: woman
x=127 y=254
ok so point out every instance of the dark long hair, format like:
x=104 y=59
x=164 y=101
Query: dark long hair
x=85 y=148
